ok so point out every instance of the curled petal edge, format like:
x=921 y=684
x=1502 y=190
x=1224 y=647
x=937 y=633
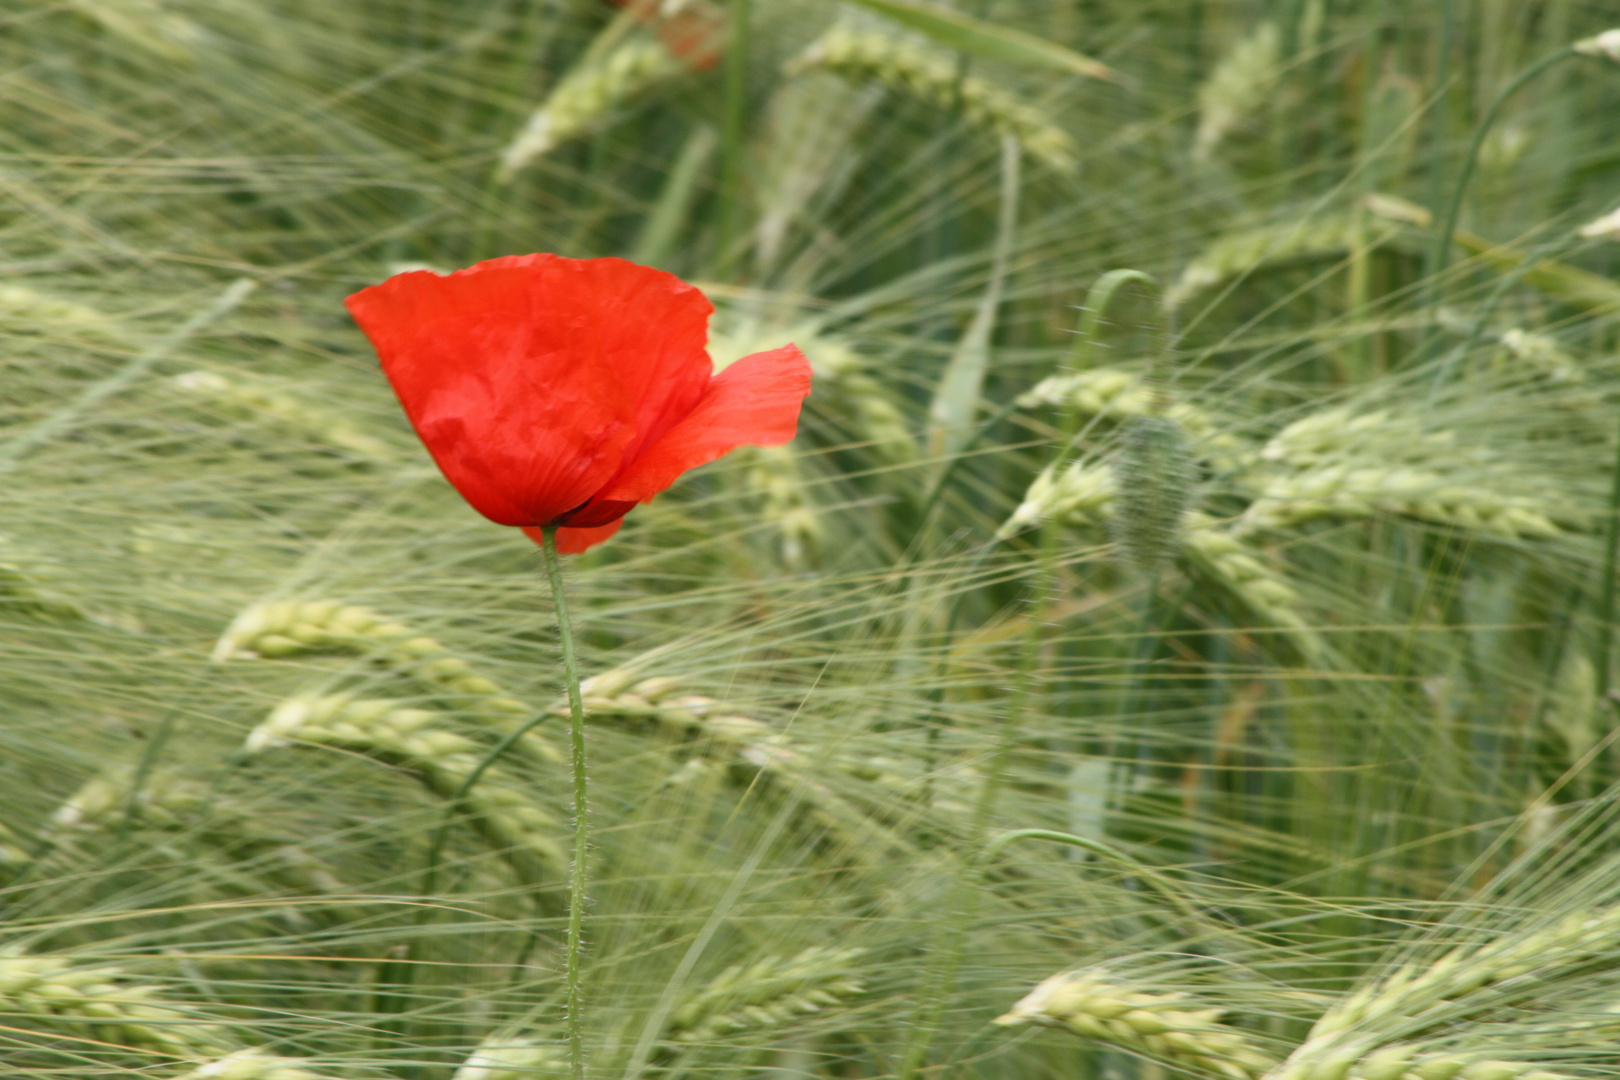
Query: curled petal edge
x=754 y=402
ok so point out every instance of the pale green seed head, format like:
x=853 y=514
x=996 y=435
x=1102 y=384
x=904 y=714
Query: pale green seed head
x=1153 y=489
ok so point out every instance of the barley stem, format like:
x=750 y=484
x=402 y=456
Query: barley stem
x=731 y=136
x=1441 y=255
x=398 y=977
x=576 y=873
x=970 y=885
x=1509 y=279
x=1611 y=548
x=154 y=748
x=1135 y=671
x=1083 y=357
x=936 y=490
x=458 y=800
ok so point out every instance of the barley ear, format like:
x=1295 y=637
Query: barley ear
x=104 y=1003
x=1080 y=494
x=12 y=852
x=1604 y=46
x=860 y=400
x=312 y=627
x=776 y=477
x=1118 y=395
x=1238 y=87
x=1153 y=489
x=501 y=810
x=1444 y=992
x=30 y=311
x=749 y=749
x=1255 y=580
x=928 y=74
x=511 y=1057
x=766 y=993
x=1094 y=1003
x=586 y=96
x=252 y=1065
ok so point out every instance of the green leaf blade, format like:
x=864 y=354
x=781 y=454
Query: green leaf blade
x=988 y=40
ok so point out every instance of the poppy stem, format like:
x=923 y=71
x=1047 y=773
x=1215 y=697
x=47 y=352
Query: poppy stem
x=576 y=874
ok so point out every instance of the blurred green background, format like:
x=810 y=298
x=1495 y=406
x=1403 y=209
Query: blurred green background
x=1193 y=580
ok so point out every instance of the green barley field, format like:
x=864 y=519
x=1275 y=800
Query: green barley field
x=1180 y=640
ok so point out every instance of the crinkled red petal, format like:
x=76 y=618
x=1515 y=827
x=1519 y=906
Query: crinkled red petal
x=754 y=402
x=533 y=379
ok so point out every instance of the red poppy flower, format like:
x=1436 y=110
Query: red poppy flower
x=692 y=31
x=562 y=392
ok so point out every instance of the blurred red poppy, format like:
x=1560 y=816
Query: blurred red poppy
x=692 y=30
x=562 y=392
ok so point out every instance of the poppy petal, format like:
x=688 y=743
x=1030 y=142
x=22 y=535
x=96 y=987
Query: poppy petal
x=659 y=343
x=594 y=513
x=532 y=379
x=754 y=402
x=574 y=541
